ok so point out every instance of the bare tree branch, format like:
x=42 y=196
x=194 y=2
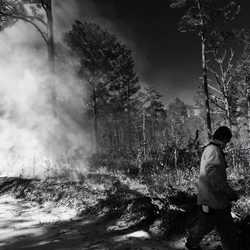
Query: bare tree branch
x=36 y=18
x=214 y=100
x=215 y=89
x=228 y=81
x=222 y=72
x=23 y=18
x=212 y=71
x=217 y=98
x=32 y=18
x=44 y=5
x=229 y=65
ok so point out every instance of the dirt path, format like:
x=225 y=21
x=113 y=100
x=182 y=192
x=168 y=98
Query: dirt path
x=20 y=220
x=26 y=225
x=29 y=226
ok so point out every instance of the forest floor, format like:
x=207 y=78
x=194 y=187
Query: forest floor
x=96 y=223
x=29 y=226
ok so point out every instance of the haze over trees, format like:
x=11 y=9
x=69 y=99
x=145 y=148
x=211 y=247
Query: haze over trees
x=37 y=13
x=144 y=165
x=108 y=67
x=129 y=119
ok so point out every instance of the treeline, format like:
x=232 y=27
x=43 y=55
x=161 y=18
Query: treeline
x=129 y=118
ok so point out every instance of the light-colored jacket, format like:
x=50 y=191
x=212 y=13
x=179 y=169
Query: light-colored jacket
x=213 y=188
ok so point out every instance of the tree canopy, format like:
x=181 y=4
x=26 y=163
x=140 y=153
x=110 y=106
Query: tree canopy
x=105 y=62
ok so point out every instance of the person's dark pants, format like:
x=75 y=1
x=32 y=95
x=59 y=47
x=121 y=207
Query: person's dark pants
x=219 y=219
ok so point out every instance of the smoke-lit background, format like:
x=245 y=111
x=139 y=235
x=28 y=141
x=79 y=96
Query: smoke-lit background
x=32 y=132
x=35 y=135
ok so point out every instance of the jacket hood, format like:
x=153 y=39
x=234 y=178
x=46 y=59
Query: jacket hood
x=219 y=143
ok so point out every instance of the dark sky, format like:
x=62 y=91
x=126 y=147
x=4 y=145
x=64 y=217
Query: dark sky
x=166 y=59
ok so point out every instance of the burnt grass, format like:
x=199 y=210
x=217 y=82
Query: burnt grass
x=106 y=197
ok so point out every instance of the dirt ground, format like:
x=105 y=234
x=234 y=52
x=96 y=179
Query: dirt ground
x=27 y=225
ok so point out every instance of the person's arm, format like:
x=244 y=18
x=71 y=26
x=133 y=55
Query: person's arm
x=219 y=183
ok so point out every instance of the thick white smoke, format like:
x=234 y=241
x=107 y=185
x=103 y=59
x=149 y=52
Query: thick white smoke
x=36 y=138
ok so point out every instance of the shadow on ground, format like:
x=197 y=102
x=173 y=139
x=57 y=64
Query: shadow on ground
x=84 y=233
x=123 y=220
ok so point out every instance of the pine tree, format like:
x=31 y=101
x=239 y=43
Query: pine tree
x=108 y=66
x=205 y=18
x=151 y=115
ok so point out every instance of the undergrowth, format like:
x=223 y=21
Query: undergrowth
x=136 y=194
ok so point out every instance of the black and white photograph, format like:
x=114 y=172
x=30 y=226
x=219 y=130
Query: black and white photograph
x=124 y=125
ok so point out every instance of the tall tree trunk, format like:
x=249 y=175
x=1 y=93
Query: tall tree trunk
x=144 y=133
x=205 y=85
x=228 y=113
x=204 y=71
x=247 y=81
x=248 y=106
x=51 y=43
x=51 y=53
x=175 y=158
x=129 y=128
x=95 y=111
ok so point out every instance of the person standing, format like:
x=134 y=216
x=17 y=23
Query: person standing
x=214 y=195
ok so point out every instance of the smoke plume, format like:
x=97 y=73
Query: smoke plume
x=38 y=137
